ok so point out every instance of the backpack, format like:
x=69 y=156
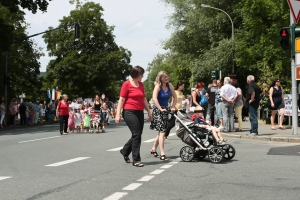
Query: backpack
x=203 y=102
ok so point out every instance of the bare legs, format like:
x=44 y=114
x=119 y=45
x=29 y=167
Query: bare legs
x=159 y=140
x=273 y=115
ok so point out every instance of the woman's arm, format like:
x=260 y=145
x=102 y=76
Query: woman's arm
x=119 y=109
x=57 y=108
x=194 y=98
x=154 y=97
x=174 y=96
x=270 y=95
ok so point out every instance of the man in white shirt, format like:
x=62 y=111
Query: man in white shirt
x=228 y=94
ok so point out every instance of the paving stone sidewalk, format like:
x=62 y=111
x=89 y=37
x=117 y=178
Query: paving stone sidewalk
x=265 y=133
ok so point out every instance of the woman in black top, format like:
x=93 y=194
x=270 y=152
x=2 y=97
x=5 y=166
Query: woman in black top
x=277 y=102
x=96 y=105
x=196 y=95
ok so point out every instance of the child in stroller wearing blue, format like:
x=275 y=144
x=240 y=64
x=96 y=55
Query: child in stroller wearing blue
x=200 y=121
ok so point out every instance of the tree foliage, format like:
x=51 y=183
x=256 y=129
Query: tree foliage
x=91 y=64
x=201 y=40
x=22 y=56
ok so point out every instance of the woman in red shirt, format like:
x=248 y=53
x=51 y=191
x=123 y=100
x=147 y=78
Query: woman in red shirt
x=133 y=101
x=62 y=111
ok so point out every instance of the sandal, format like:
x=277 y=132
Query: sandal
x=163 y=157
x=155 y=154
x=220 y=142
x=273 y=128
x=138 y=164
x=61 y=132
x=127 y=159
x=238 y=130
x=281 y=127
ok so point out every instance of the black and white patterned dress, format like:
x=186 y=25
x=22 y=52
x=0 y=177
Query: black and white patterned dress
x=160 y=119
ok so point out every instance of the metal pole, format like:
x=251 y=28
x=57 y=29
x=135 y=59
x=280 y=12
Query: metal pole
x=232 y=31
x=294 y=84
x=5 y=85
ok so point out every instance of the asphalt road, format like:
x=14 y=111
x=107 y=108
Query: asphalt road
x=38 y=163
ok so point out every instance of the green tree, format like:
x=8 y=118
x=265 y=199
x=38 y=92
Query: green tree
x=90 y=64
x=22 y=61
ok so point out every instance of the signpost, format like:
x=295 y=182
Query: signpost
x=295 y=9
x=294 y=18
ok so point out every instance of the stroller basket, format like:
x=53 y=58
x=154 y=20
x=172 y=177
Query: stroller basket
x=183 y=134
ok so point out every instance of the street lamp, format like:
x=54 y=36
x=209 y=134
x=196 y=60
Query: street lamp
x=232 y=29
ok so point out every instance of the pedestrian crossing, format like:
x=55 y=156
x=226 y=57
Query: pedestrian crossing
x=4 y=177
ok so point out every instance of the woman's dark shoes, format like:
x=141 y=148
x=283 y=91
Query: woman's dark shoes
x=127 y=160
x=163 y=157
x=138 y=164
x=61 y=132
x=155 y=154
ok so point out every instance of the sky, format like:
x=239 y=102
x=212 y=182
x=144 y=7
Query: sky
x=140 y=26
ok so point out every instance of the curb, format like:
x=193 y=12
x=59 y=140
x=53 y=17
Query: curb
x=25 y=127
x=264 y=138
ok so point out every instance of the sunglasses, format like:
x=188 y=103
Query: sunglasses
x=278 y=81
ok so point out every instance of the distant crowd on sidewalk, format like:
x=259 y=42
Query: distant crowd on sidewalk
x=28 y=112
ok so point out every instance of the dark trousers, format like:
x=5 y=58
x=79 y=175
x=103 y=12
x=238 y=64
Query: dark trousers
x=23 y=119
x=135 y=122
x=63 y=121
x=210 y=116
x=253 y=119
x=171 y=124
x=11 y=119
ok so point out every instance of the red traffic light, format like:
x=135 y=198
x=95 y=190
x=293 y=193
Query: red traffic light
x=284 y=38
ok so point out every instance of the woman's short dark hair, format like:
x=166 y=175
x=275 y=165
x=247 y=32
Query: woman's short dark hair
x=180 y=83
x=235 y=83
x=137 y=71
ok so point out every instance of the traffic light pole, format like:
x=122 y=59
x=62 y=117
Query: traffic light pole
x=5 y=85
x=294 y=82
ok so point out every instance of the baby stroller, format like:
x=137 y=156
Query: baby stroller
x=201 y=142
x=96 y=122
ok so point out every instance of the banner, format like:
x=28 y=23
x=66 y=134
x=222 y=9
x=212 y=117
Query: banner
x=48 y=94
x=288 y=105
x=53 y=94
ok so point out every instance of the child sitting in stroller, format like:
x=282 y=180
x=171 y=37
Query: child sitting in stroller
x=198 y=119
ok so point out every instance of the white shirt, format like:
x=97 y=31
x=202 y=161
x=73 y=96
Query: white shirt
x=228 y=91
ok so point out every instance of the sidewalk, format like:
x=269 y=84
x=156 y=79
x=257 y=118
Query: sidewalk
x=265 y=133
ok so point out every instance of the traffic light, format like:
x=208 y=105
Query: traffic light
x=284 y=38
x=77 y=30
x=215 y=74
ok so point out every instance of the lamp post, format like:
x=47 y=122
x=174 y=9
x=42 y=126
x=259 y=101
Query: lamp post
x=232 y=29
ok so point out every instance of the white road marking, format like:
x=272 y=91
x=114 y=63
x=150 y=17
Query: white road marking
x=116 y=149
x=172 y=134
x=146 y=178
x=116 y=196
x=67 y=162
x=158 y=171
x=174 y=162
x=151 y=140
x=166 y=166
x=39 y=139
x=132 y=186
x=4 y=177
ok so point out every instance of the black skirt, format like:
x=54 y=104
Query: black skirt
x=160 y=119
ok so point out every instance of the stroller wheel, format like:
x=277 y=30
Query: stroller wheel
x=187 y=153
x=229 y=151
x=215 y=154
